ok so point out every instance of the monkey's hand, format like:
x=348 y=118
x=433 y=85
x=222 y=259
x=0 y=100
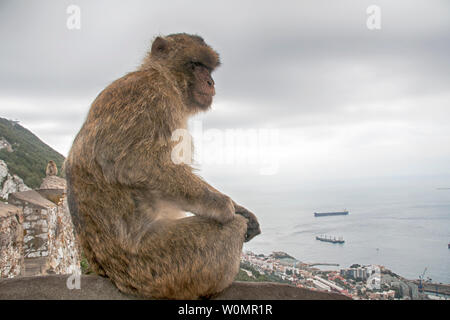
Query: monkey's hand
x=218 y=207
x=253 y=228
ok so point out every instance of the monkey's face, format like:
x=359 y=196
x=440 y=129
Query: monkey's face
x=201 y=88
x=191 y=61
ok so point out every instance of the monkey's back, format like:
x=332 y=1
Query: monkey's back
x=123 y=115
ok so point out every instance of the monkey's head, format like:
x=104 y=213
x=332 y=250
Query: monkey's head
x=191 y=61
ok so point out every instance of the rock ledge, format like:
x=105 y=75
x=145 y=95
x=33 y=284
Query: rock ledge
x=53 y=287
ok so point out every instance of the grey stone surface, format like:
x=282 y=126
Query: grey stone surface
x=54 y=287
x=32 y=197
x=53 y=182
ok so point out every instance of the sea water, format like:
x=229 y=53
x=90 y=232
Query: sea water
x=404 y=226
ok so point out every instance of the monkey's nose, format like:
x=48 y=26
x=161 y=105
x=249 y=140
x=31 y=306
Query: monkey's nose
x=210 y=82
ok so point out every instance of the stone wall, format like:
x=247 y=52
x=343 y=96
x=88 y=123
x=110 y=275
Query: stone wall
x=64 y=254
x=11 y=241
x=36 y=212
x=49 y=244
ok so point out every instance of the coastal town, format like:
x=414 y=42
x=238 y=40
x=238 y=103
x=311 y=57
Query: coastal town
x=359 y=282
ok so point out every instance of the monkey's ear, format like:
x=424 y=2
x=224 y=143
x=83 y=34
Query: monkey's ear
x=159 y=46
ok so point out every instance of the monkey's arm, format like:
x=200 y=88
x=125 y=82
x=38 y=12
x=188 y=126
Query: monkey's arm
x=197 y=196
x=211 y=201
x=138 y=167
x=253 y=228
x=177 y=182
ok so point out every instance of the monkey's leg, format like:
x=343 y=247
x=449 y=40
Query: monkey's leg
x=186 y=258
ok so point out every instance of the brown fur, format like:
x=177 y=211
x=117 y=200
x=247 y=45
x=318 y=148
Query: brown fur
x=127 y=198
x=52 y=169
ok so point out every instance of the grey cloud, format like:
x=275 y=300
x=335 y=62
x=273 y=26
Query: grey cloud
x=285 y=63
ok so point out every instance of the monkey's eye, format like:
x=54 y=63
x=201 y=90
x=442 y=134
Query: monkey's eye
x=196 y=64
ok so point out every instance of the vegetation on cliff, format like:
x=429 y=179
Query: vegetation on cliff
x=29 y=156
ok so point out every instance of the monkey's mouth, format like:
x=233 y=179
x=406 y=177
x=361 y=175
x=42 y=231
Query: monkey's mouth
x=203 y=99
x=206 y=94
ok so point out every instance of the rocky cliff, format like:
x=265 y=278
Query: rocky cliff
x=10 y=183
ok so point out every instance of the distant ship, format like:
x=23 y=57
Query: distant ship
x=330 y=239
x=323 y=214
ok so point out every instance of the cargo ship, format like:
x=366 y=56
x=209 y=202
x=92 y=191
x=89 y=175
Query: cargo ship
x=324 y=214
x=330 y=239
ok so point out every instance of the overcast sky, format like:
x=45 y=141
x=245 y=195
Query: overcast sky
x=344 y=100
